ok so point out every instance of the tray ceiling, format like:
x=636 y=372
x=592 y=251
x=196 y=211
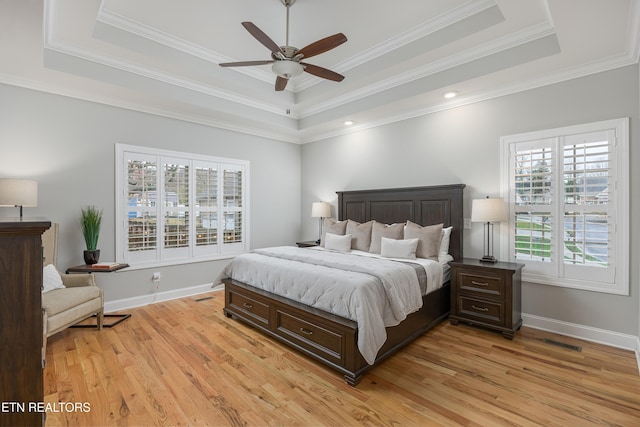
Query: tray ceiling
x=161 y=56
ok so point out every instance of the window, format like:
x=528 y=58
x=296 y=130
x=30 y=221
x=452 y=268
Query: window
x=568 y=195
x=174 y=207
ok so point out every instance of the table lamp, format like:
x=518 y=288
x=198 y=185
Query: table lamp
x=488 y=211
x=18 y=193
x=320 y=210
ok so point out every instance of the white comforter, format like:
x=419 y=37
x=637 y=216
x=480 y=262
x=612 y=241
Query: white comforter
x=373 y=291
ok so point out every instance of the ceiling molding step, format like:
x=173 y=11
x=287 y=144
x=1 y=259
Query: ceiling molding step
x=168 y=91
x=530 y=84
x=92 y=96
x=160 y=76
x=138 y=29
x=508 y=42
x=420 y=31
x=482 y=66
x=485 y=14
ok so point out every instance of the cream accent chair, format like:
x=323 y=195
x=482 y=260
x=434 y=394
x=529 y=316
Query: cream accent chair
x=80 y=299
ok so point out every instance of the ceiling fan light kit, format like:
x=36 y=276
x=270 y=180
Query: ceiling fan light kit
x=287 y=68
x=286 y=59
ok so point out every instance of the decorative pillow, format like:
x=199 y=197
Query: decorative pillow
x=444 y=243
x=379 y=230
x=393 y=248
x=332 y=226
x=360 y=233
x=338 y=243
x=430 y=238
x=51 y=279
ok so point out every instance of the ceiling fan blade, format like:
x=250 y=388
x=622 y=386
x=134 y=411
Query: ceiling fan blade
x=246 y=63
x=322 y=45
x=322 y=72
x=261 y=37
x=281 y=83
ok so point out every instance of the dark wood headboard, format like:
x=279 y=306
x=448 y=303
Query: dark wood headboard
x=422 y=205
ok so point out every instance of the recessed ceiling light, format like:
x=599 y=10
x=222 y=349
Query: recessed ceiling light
x=451 y=94
x=348 y=122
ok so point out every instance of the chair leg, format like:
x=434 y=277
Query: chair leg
x=99 y=319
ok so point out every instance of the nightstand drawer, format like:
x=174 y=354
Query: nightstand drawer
x=484 y=311
x=485 y=285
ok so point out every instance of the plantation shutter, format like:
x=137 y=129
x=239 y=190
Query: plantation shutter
x=532 y=180
x=589 y=206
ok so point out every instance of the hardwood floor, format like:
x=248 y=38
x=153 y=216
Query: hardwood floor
x=183 y=363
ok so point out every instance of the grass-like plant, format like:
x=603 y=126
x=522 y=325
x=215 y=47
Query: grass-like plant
x=90 y=221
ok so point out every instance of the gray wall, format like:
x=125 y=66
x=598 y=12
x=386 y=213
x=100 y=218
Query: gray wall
x=462 y=145
x=67 y=145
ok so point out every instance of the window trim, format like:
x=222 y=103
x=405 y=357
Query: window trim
x=121 y=195
x=622 y=188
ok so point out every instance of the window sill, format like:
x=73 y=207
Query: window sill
x=176 y=262
x=608 y=288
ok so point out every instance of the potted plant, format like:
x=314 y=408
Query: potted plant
x=90 y=221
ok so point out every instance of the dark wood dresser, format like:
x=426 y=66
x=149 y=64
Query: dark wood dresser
x=487 y=294
x=21 y=330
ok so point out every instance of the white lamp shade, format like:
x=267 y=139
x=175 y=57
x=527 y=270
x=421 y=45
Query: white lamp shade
x=488 y=210
x=287 y=68
x=18 y=192
x=320 y=210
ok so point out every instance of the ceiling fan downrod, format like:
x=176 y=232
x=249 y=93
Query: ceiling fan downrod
x=287 y=4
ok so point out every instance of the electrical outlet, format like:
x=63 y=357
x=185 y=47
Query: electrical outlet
x=467 y=223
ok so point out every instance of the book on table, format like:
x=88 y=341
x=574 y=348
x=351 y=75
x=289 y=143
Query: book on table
x=105 y=265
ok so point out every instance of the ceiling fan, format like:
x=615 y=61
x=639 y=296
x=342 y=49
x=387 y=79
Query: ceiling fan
x=287 y=59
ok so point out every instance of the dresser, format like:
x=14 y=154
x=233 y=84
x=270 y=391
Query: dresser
x=487 y=294
x=21 y=330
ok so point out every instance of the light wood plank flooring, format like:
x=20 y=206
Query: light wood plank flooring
x=183 y=363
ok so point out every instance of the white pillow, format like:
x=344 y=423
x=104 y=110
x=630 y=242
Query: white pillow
x=337 y=242
x=51 y=279
x=444 y=243
x=392 y=248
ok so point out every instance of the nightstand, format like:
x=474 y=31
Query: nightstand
x=487 y=294
x=307 y=244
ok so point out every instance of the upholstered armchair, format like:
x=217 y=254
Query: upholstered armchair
x=76 y=299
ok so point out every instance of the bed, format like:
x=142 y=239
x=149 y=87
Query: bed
x=332 y=339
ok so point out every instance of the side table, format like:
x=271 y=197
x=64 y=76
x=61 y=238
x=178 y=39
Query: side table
x=487 y=294
x=106 y=269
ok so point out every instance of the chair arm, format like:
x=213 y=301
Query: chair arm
x=77 y=280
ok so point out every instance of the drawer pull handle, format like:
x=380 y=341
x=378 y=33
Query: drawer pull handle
x=473 y=282
x=246 y=304
x=306 y=331
x=480 y=308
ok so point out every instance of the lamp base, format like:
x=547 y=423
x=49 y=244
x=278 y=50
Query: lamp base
x=488 y=258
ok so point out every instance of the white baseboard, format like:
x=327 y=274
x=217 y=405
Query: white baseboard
x=124 y=304
x=638 y=353
x=588 y=333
